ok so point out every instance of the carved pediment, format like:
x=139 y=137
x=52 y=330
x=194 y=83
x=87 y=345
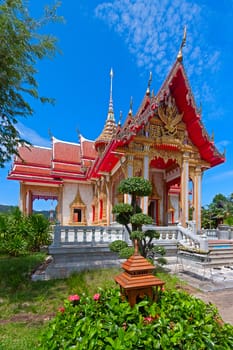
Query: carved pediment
x=169 y=115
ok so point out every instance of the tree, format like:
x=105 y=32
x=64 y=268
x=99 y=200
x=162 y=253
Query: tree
x=22 y=45
x=131 y=216
x=219 y=211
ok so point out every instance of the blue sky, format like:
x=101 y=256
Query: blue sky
x=133 y=37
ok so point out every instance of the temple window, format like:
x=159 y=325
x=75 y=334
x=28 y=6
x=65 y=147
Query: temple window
x=77 y=211
x=77 y=215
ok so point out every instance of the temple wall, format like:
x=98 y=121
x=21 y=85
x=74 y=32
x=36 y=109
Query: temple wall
x=69 y=193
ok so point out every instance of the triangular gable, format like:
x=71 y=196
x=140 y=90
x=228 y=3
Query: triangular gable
x=177 y=86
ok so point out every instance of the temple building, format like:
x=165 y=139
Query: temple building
x=164 y=142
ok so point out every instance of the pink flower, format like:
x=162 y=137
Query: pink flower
x=162 y=289
x=74 y=297
x=61 y=309
x=148 y=319
x=96 y=296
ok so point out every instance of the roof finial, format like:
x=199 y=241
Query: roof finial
x=131 y=105
x=110 y=108
x=120 y=119
x=50 y=134
x=79 y=134
x=149 y=84
x=180 y=55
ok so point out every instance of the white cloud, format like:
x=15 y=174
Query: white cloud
x=32 y=136
x=223 y=144
x=153 y=31
x=221 y=176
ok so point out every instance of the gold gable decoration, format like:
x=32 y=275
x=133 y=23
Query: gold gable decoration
x=78 y=211
x=169 y=115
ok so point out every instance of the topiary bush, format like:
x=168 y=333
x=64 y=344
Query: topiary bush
x=105 y=321
x=117 y=245
x=131 y=216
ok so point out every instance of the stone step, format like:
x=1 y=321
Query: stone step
x=220 y=262
x=222 y=252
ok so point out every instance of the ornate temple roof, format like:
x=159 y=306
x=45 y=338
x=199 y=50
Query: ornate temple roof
x=177 y=87
x=64 y=160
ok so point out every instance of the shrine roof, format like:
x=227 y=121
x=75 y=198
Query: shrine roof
x=65 y=160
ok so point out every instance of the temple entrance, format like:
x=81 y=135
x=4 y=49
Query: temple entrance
x=153 y=211
x=47 y=207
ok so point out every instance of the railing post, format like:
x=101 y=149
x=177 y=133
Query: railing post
x=84 y=235
x=93 y=236
x=57 y=236
x=66 y=235
x=101 y=234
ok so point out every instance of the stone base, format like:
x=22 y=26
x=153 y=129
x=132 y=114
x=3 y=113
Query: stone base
x=68 y=260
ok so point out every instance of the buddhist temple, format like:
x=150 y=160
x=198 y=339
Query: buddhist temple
x=165 y=142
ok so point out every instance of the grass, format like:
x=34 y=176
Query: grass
x=26 y=306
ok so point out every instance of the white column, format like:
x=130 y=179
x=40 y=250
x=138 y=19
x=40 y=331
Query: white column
x=197 y=197
x=108 y=206
x=184 y=189
x=146 y=177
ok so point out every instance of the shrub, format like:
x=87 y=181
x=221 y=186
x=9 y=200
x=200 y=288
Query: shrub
x=20 y=234
x=117 y=245
x=39 y=234
x=105 y=321
x=126 y=252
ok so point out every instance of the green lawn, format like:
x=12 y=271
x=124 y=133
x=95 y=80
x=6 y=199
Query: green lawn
x=26 y=306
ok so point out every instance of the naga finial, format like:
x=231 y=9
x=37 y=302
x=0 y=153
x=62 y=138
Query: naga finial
x=149 y=84
x=180 y=55
x=120 y=119
x=50 y=134
x=79 y=134
x=131 y=105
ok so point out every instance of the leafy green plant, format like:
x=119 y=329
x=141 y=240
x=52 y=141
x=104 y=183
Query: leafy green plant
x=39 y=234
x=117 y=245
x=20 y=234
x=105 y=321
x=126 y=252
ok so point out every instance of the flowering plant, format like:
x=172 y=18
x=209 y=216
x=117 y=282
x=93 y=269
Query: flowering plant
x=103 y=321
x=74 y=299
x=96 y=297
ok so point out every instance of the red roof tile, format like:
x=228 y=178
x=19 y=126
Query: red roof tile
x=88 y=149
x=64 y=151
x=35 y=155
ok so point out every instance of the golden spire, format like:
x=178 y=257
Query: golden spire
x=110 y=107
x=110 y=125
x=180 y=55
